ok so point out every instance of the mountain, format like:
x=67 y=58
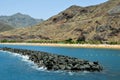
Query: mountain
x=20 y=20
x=5 y=27
x=93 y=23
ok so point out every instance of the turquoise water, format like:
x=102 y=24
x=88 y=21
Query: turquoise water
x=15 y=67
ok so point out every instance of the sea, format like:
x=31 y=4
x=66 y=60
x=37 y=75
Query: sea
x=18 y=67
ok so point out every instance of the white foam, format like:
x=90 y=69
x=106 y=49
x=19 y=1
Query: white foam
x=25 y=58
x=86 y=72
x=4 y=51
x=71 y=73
x=39 y=68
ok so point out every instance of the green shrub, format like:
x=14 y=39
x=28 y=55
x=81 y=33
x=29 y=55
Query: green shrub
x=68 y=41
x=4 y=40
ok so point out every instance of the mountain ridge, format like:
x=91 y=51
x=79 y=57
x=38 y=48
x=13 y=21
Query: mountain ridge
x=20 y=20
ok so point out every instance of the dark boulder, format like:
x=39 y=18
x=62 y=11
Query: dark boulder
x=57 y=62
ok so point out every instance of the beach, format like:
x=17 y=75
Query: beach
x=106 y=46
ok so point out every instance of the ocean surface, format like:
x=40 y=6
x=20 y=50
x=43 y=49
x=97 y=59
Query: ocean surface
x=17 y=67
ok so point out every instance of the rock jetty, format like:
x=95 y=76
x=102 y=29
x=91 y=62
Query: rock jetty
x=57 y=62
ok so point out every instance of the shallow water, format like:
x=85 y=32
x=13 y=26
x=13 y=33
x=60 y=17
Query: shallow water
x=16 y=67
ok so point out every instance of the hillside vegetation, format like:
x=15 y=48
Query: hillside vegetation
x=93 y=23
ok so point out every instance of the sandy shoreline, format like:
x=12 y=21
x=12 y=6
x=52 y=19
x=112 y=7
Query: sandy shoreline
x=68 y=45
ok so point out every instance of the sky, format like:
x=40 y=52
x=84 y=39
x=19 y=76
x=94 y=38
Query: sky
x=41 y=9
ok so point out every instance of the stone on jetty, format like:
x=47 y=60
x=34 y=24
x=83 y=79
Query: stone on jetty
x=57 y=62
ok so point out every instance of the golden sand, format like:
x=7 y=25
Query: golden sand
x=68 y=45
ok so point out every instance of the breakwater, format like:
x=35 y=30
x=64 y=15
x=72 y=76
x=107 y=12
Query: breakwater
x=57 y=62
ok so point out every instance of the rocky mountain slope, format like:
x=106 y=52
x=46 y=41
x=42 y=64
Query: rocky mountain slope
x=19 y=20
x=93 y=23
x=5 y=27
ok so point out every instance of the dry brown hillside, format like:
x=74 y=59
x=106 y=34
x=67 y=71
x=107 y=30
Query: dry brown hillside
x=100 y=22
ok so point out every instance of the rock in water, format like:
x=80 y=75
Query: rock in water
x=57 y=62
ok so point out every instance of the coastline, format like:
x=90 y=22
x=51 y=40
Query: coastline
x=104 y=46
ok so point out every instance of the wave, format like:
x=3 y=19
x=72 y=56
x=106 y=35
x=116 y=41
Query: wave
x=25 y=58
x=39 y=68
